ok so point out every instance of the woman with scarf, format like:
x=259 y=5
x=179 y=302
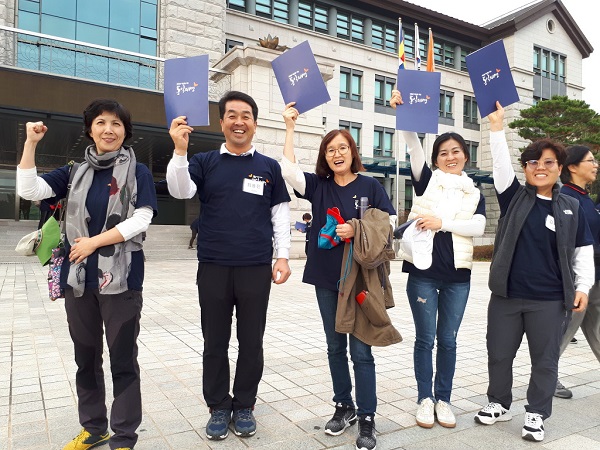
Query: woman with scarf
x=111 y=201
x=449 y=211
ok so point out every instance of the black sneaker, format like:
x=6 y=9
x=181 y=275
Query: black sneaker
x=561 y=391
x=244 y=423
x=574 y=341
x=217 y=427
x=366 y=433
x=344 y=416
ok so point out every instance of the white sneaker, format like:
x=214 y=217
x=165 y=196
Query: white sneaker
x=425 y=413
x=492 y=413
x=533 y=430
x=444 y=414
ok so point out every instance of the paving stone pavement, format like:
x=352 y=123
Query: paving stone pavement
x=38 y=401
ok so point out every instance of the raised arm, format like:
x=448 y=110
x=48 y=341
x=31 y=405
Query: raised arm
x=290 y=170
x=179 y=182
x=29 y=185
x=503 y=171
x=415 y=149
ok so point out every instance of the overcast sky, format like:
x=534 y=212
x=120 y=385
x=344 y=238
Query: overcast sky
x=580 y=10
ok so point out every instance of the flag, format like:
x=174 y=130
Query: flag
x=417 y=48
x=400 y=45
x=430 y=56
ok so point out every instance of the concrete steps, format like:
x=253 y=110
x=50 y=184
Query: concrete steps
x=163 y=242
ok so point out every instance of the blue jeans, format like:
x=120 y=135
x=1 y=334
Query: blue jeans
x=360 y=353
x=431 y=299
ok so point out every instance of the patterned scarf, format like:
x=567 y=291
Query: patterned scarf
x=114 y=261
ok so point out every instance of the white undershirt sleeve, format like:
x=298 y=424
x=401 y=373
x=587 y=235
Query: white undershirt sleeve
x=280 y=218
x=179 y=181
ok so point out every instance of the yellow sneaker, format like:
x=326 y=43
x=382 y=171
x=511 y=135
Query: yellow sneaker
x=85 y=440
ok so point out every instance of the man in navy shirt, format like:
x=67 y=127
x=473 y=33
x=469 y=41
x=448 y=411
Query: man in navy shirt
x=244 y=210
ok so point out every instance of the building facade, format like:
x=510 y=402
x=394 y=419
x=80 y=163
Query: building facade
x=355 y=44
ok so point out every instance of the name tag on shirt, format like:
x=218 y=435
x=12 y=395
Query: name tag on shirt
x=255 y=187
x=550 y=223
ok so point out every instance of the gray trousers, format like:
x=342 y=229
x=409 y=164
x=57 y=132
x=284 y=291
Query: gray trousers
x=119 y=315
x=589 y=321
x=543 y=322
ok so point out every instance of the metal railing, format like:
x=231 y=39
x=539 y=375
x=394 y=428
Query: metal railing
x=29 y=50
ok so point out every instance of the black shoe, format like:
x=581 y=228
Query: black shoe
x=574 y=341
x=366 y=439
x=344 y=416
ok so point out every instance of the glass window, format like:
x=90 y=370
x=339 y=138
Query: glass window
x=148 y=47
x=28 y=56
x=29 y=21
x=409 y=44
x=305 y=15
x=562 y=69
x=123 y=72
x=388 y=143
x=95 y=13
x=91 y=67
x=377 y=140
x=124 y=41
x=148 y=16
x=92 y=34
x=27 y=5
x=354 y=129
x=125 y=15
x=263 y=8
x=391 y=39
x=343 y=26
x=469 y=109
x=148 y=32
x=321 y=19
x=57 y=60
x=383 y=89
x=377 y=36
x=60 y=8
x=446 y=104
x=280 y=11
x=237 y=4
x=57 y=26
x=358 y=34
x=350 y=84
x=408 y=194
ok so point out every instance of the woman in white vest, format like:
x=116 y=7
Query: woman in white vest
x=448 y=211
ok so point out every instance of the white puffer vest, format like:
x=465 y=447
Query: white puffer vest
x=451 y=197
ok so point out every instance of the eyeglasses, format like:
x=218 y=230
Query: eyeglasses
x=342 y=149
x=546 y=164
x=593 y=161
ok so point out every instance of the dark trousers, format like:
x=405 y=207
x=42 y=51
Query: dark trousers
x=194 y=234
x=220 y=289
x=544 y=323
x=119 y=315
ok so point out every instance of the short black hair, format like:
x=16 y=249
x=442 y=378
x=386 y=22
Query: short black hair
x=535 y=150
x=446 y=137
x=575 y=154
x=237 y=95
x=100 y=105
x=306 y=216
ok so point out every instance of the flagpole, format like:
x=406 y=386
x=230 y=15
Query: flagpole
x=417 y=48
x=401 y=58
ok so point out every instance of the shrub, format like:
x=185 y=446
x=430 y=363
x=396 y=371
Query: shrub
x=483 y=252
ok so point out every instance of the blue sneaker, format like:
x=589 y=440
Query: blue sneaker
x=217 y=427
x=244 y=423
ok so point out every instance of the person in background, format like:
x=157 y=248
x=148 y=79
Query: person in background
x=245 y=209
x=542 y=269
x=337 y=183
x=449 y=205
x=307 y=218
x=194 y=228
x=580 y=169
x=111 y=203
